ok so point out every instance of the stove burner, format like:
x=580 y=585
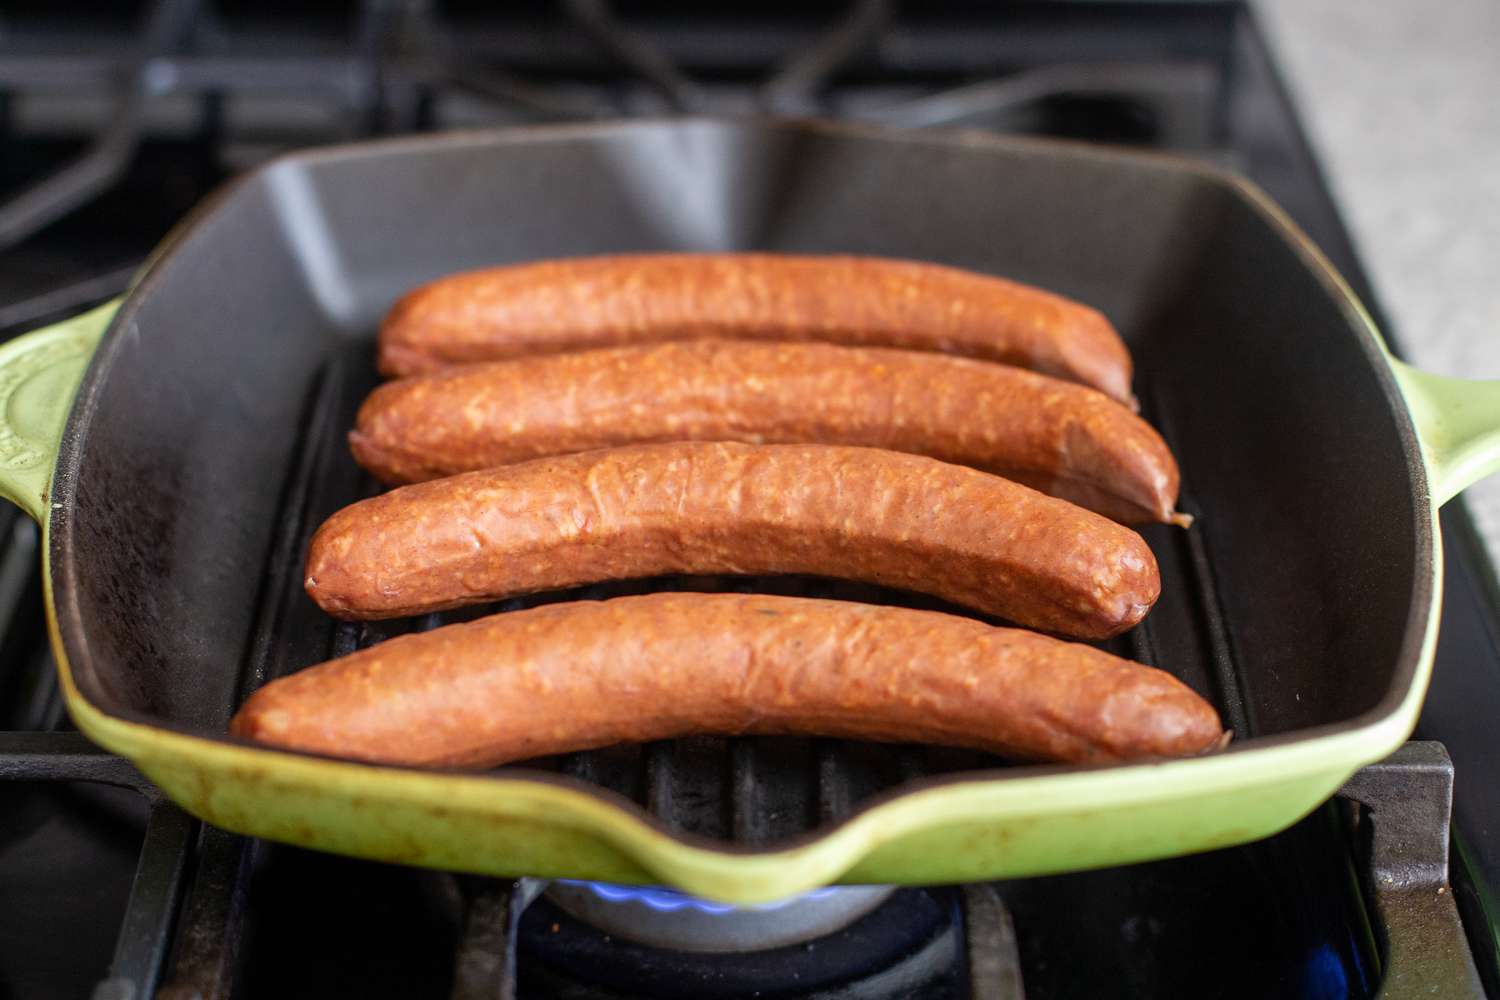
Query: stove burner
x=915 y=945
x=678 y=922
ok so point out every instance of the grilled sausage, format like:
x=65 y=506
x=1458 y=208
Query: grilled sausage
x=855 y=513
x=1058 y=437
x=589 y=302
x=586 y=674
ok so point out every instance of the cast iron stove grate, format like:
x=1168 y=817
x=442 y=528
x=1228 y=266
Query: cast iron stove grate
x=199 y=94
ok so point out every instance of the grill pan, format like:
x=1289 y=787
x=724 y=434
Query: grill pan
x=205 y=443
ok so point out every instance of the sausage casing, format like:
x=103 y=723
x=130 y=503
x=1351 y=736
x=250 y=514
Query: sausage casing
x=1059 y=437
x=583 y=674
x=562 y=305
x=861 y=514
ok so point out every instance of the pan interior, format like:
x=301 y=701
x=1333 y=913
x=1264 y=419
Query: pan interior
x=208 y=442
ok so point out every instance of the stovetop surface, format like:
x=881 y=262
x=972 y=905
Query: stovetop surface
x=106 y=890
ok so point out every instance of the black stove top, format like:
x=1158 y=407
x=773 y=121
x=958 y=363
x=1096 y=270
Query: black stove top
x=116 y=118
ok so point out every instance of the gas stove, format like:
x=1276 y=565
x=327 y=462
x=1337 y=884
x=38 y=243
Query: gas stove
x=115 y=119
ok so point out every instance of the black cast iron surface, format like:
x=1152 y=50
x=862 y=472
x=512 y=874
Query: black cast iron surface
x=1191 y=77
x=195 y=434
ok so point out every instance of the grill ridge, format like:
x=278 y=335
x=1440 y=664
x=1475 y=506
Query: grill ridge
x=753 y=791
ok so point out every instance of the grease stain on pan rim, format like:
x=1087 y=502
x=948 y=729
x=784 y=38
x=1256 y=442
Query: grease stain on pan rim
x=1029 y=792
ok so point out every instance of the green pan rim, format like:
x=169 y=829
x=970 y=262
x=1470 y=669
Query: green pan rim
x=1022 y=790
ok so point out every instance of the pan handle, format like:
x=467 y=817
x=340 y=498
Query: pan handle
x=1458 y=423
x=39 y=374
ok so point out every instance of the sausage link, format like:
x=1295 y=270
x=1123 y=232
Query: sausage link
x=1058 y=437
x=584 y=674
x=562 y=305
x=699 y=508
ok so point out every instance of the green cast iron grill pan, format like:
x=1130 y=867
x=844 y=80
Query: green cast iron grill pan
x=206 y=442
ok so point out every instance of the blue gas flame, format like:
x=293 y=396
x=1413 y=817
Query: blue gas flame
x=670 y=901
